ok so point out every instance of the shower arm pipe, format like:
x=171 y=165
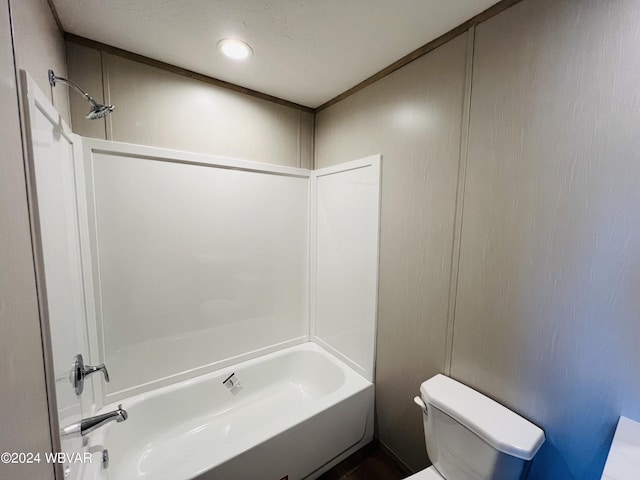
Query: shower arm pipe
x=53 y=79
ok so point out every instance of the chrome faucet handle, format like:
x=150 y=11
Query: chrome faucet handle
x=80 y=371
x=89 y=369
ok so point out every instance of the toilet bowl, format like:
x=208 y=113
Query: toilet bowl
x=472 y=437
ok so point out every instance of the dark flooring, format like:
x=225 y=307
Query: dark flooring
x=369 y=463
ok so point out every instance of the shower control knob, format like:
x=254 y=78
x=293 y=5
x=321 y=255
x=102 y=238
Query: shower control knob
x=80 y=371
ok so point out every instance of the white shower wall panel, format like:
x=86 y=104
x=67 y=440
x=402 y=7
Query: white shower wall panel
x=345 y=268
x=200 y=262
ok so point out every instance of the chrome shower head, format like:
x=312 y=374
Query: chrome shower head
x=97 y=109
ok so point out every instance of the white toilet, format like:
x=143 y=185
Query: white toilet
x=471 y=437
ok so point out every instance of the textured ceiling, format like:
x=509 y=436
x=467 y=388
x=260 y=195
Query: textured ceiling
x=305 y=51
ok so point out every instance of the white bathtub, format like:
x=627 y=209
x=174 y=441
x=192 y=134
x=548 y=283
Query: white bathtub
x=299 y=412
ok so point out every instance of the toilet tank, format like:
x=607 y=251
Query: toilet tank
x=471 y=437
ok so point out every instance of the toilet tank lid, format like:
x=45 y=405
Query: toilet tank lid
x=501 y=428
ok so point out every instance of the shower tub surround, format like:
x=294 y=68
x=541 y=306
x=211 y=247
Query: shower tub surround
x=294 y=414
x=277 y=290
x=233 y=302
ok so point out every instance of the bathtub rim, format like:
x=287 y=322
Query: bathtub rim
x=350 y=374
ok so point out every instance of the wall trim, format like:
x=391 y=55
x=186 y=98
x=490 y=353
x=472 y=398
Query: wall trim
x=423 y=50
x=462 y=175
x=56 y=17
x=70 y=37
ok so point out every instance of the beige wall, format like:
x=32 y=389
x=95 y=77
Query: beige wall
x=24 y=421
x=39 y=46
x=546 y=311
x=414 y=119
x=159 y=108
x=84 y=67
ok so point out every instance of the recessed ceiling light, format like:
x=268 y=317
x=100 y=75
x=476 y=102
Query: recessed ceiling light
x=236 y=49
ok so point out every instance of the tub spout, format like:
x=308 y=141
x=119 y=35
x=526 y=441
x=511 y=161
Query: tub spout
x=88 y=425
